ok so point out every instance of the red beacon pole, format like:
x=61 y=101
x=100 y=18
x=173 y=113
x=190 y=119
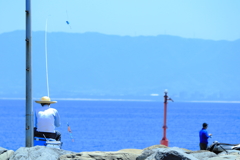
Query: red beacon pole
x=164 y=140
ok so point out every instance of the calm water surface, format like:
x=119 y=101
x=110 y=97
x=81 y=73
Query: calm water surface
x=115 y=125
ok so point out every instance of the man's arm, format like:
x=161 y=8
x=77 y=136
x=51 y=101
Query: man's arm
x=57 y=119
x=207 y=135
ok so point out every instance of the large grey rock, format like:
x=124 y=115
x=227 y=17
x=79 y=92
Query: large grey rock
x=202 y=155
x=166 y=154
x=38 y=153
x=2 y=150
x=5 y=154
x=229 y=155
x=230 y=152
x=146 y=154
x=126 y=154
x=134 y=151
x=226 y=157
x=155 y=146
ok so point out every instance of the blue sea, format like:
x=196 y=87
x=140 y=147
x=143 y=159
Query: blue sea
x=116 y=125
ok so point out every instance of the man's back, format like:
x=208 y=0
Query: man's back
x=203 y=135
x=45 y=119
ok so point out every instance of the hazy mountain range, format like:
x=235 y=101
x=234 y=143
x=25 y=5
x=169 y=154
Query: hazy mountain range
x=93 y=65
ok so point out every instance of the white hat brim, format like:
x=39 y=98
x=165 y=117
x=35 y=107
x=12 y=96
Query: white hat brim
x=51 y=102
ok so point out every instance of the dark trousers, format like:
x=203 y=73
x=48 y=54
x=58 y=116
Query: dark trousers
x=56 y=135
x=203 y=146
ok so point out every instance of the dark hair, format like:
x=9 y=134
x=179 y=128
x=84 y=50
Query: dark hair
x=45 y=104
x=204 y=125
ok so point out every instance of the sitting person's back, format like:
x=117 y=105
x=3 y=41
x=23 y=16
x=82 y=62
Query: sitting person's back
x=46 y=119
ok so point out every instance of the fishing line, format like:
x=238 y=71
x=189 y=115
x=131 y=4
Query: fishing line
x=46 y=56
x=66 y=14
x=67 y=18
x=67 y=21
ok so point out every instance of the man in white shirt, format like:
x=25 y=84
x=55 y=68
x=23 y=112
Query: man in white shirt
x=46 y=119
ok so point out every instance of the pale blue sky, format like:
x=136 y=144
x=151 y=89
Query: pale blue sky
x=205 y=19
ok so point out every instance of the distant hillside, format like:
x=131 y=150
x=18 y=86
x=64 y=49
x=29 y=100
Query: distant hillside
x=93 y=65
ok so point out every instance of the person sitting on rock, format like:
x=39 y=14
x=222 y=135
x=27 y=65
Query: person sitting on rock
x=203 y=135
x=46 y=119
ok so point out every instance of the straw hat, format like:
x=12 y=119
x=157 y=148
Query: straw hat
x=46 y=99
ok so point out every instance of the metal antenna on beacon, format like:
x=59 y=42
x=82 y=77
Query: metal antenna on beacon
x=164 y=140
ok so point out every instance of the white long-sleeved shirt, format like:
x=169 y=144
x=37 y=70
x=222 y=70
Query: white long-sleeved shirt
x=46 y=119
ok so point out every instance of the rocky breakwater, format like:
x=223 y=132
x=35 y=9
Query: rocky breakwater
x=156 y=152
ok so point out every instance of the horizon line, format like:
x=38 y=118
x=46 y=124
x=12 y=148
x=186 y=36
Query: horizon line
x=136 y=100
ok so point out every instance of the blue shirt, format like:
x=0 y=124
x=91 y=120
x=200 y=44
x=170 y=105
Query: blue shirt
x=203 y=135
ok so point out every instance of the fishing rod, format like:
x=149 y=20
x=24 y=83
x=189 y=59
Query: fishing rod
x=46 y=57
x=46 y=51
